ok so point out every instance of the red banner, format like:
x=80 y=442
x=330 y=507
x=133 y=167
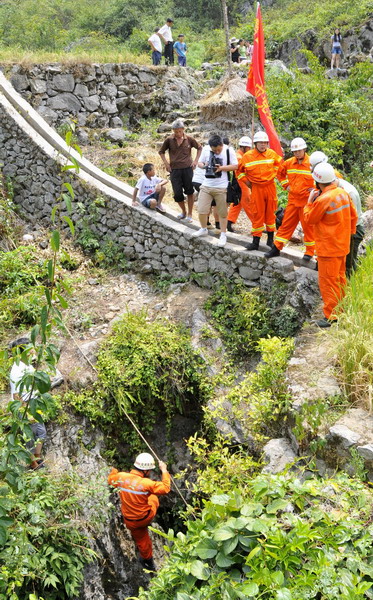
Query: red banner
x=256 y=86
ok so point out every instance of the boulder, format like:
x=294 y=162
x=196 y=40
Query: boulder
x=278 y=453
x=65 y=101
x=63 y=83
x=116 y=136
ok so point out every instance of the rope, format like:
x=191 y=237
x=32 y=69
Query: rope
x=129 y=418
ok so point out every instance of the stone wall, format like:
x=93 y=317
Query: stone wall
x=107 y=95
x=152 y=242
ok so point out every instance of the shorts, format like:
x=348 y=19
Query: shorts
x=39 y=434
x=181 y=181
x=336 y=50
x=146 y=201
x=206 y=197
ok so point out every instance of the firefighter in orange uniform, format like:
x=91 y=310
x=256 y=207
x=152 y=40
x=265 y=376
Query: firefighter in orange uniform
x=295 y=176
x=245 y=144
x=139 y=502
x=260 y=166
x=334 y=219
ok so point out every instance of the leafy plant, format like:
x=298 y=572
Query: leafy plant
x=42 y=549
x=262 y=397
x=284 y=538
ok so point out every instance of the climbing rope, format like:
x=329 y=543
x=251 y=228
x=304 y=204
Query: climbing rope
x=129 y=419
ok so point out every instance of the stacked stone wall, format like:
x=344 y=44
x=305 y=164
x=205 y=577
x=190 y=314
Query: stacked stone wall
x=103 y=95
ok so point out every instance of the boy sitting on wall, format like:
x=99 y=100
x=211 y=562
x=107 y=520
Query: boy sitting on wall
x=151 y=189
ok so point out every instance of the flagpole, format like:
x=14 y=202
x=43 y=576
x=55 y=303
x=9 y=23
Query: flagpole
x=252 y=119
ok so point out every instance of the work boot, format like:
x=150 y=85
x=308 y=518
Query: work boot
x=147 y=563
x=254 y=244
x=307 y=257
x=229 y=226
x=324 y=322
x=273 y=252
x=270 y=235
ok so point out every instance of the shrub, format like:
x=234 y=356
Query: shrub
x=284 y=539
x=43 y=535
x=148 y=369
x=262 y=396
x=240 y=316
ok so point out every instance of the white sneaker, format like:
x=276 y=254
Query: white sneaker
x=188 y=220
x=161 y=208
x=222 y=240
x=181 y=216
x=200 y=233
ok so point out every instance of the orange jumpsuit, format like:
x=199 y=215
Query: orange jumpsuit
x=297 y=178
x=139 y=503
x=244 y=203
x=334 y=219
x=260 y=169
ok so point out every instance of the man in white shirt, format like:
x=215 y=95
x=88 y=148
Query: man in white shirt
x=165 y=34
x=156 y=46
x=356 y=238
x=17 y=374
x=217 y=159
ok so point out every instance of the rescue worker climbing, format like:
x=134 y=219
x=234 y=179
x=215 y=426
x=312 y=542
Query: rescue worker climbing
x=260 y=166
x=333 y=216
x=139 y=503
x=245 y=144
x=295 y=176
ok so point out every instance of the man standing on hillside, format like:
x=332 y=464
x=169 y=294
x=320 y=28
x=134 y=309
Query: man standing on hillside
x=295 y=176
x=156 y=46
x=166 y=35
x=181 y=165
x=334 y=217
x=139 y=502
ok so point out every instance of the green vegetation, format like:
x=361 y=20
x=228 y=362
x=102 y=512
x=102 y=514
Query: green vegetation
x=43 y=535
x=243 y=317
x=290 y=18
x=262 y=397
x=354 y=336
x=284 y=538
x=333 y=116
x=149 y=369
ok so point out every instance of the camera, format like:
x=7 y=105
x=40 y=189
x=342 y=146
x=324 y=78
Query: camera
x=211 y=166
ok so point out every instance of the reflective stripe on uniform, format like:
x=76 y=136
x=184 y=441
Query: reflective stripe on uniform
x=280 y=239
x=298 y=172
x=240 y=176
x=269 y=161
x=309 y=243
x=284 y=181
x=258 y=229
x=133 y=492
x=331 y=212
x=271 y=227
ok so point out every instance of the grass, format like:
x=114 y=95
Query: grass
x=354 y=336
x=12 y=55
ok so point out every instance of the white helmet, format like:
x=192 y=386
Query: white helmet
x=316 y=158
x=245 y=141
x=298 y=144
x=144 y=462
x=260 y=136
x=323 y=173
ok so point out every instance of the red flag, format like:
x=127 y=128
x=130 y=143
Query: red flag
x=256 y=87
